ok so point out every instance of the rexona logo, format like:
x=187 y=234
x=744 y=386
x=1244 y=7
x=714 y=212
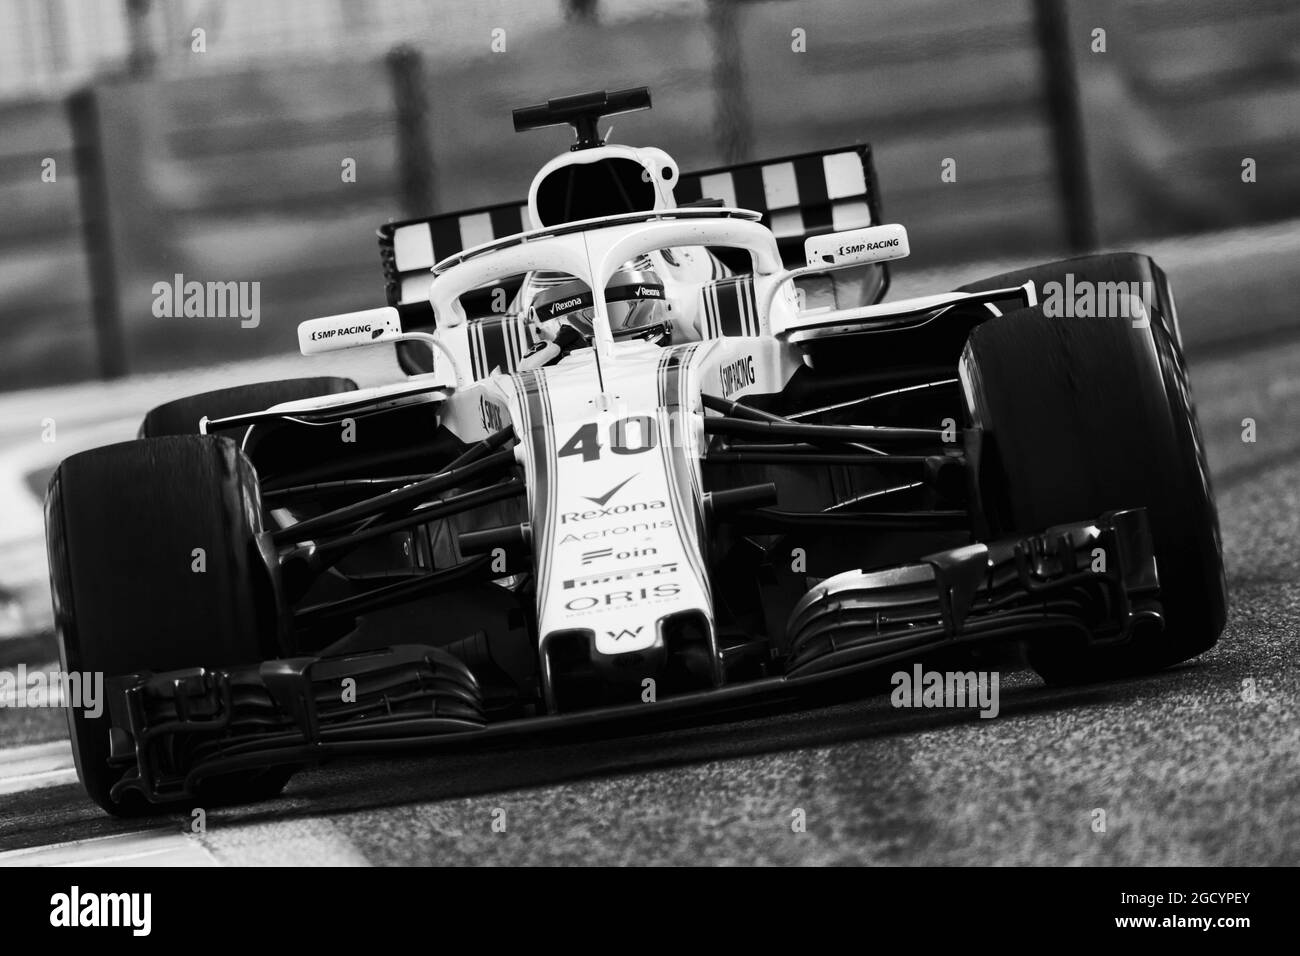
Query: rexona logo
x=566 y=305
x=617 y=531
x=348 y=330
x=736 y=375
x=568 y=517
x=592 y=602
x=853 y=250
x=649 y=292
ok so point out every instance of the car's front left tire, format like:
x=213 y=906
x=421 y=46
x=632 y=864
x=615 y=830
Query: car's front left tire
x=154 y=566
x=181 y=416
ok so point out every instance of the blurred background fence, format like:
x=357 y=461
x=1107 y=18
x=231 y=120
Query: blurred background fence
x=134 y=149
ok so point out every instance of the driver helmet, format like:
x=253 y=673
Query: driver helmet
x=634 y=299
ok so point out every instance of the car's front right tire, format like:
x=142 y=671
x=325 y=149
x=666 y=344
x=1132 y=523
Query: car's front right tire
x=1090 y=414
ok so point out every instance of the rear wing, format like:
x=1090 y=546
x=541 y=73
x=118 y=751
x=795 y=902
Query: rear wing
x=798 y=196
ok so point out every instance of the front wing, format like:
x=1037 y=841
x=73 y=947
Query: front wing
x=1092 y=581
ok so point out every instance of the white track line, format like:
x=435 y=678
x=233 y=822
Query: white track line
x=299 y=842
x=148 y=848
x=23 y=566
x=292 y=842
x=35 y=766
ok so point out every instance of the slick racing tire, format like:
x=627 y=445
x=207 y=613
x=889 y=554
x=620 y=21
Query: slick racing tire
x=123 y=524
x=1088 y=415
x=1098 y=269
x=182 y=416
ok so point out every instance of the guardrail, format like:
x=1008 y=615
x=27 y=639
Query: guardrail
x=1057 y=146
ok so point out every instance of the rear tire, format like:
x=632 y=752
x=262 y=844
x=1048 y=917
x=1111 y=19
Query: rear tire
x=123 y=524
x=182 y=416
x=1087 y=415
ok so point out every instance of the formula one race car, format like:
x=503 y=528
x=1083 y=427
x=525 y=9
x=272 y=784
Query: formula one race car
x=661 y=454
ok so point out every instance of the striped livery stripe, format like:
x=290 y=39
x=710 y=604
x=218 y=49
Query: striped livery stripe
x=679 y=456
x=499 y=343
x=538 y=438
x=730 y=307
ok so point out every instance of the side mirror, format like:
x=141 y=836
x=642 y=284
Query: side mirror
x=373 y=327
x=334 y=332
x=857 y=246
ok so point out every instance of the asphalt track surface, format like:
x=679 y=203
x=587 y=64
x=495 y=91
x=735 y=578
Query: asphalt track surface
x=1196 y=765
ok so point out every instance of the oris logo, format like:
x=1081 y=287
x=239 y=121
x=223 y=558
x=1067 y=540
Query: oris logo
x=659 y=592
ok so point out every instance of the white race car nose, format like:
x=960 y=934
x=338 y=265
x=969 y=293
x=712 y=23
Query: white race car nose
x=616 y=513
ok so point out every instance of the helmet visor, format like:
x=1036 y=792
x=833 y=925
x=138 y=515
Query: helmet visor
x=634 y=299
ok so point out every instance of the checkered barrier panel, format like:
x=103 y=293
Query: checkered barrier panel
x=799 y=196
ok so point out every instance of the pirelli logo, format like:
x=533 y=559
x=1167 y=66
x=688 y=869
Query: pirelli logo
x=625 y=574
